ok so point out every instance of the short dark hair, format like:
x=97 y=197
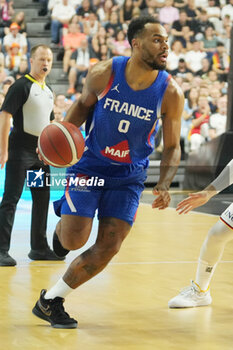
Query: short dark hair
x=34 y=48
x=219 y=43
x=137 y=25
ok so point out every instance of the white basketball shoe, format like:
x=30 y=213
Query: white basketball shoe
x=190 y=297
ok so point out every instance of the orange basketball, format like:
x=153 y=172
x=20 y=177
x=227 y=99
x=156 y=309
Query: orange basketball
x=61 y=144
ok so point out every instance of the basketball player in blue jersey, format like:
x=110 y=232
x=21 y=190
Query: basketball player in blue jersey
x=198 y=293
x=121 y=102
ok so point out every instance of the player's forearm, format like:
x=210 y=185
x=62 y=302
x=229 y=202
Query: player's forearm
x=169 y=165
x=224 y=179
x=77 y=114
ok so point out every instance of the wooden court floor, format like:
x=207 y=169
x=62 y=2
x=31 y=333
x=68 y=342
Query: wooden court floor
x=125 y=307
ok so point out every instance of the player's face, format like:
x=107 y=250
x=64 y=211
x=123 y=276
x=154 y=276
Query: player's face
x=43 y=58
x=154 y=46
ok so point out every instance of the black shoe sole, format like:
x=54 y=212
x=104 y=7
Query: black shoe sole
x=45 y=258
x=58 y=248
x=39 y=314
x=7 y=264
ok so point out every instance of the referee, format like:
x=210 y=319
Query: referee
x=29 y=102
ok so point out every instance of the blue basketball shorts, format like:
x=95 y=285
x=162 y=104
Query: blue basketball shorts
x=121 y=202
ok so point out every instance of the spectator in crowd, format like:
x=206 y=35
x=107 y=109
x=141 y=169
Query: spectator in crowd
x=71 y=42
x=200 y=130
x=175 y=55
x=212 y=76
x=15 y=37
x=217 y=122
x=58 y=114
x=109 y=6
x=19 y=18
x=84 y=10
x=201 y=3
x=120 y=45
x=205 y=68
x=6 y=11
x=221 y=62
x=97 y=7
x=105 y=52
x=214 y=95
x=224 y=24
x=194 y=57
x=168 y=13
x=214 y=14
x=180 y=4
x=151 y=8
x=227 y=10
x=192 y=11
x=190 y=106
x=91 y=25
x=22 y=69
x=201 y=24
x=126 y=11
x=98 y=40
x=60 y=103
x=209 y=42
x=113 y=25
x=182 y=29
x=61 y=15
x=79 y=63
x=74 y=19
x=182 y=70
x=13 y=58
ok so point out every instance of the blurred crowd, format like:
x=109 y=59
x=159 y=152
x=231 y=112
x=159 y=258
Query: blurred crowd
x=84 y=32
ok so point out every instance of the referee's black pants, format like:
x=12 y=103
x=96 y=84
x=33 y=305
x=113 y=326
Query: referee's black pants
x=18 y=163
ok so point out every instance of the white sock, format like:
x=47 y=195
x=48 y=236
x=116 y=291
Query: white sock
x=204 y=274
x=60 y=289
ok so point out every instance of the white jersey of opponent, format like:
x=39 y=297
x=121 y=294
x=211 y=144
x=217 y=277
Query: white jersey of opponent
x=224 y=180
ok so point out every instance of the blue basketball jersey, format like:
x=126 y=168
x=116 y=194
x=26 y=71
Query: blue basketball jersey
x=124 y=122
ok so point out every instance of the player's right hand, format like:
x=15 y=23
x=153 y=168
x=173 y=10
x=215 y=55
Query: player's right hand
x=193 y=201
x=39 y=156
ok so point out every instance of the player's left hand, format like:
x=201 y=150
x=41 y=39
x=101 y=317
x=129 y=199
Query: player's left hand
x=39 y=156
x=163 y=199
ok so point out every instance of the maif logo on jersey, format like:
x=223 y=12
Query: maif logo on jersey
x=119 y=152
x=35 y=178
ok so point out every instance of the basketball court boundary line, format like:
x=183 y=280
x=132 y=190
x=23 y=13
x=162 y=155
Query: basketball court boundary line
x=125 y=263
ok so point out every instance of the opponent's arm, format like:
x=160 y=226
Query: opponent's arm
x=5 y=125
x=172 y=108
x=224 y=179
x=96 y=81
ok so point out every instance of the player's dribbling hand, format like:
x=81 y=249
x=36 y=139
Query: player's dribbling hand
x=163 y=199
x=193 y=201
x=39 y=156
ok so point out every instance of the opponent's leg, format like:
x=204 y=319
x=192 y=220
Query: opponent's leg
x=198 y=293
x=211 y=253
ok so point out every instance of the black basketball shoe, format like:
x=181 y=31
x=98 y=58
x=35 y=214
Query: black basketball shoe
x=57 y=247
x=52 y=310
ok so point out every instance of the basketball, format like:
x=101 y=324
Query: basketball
x=61 y=144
